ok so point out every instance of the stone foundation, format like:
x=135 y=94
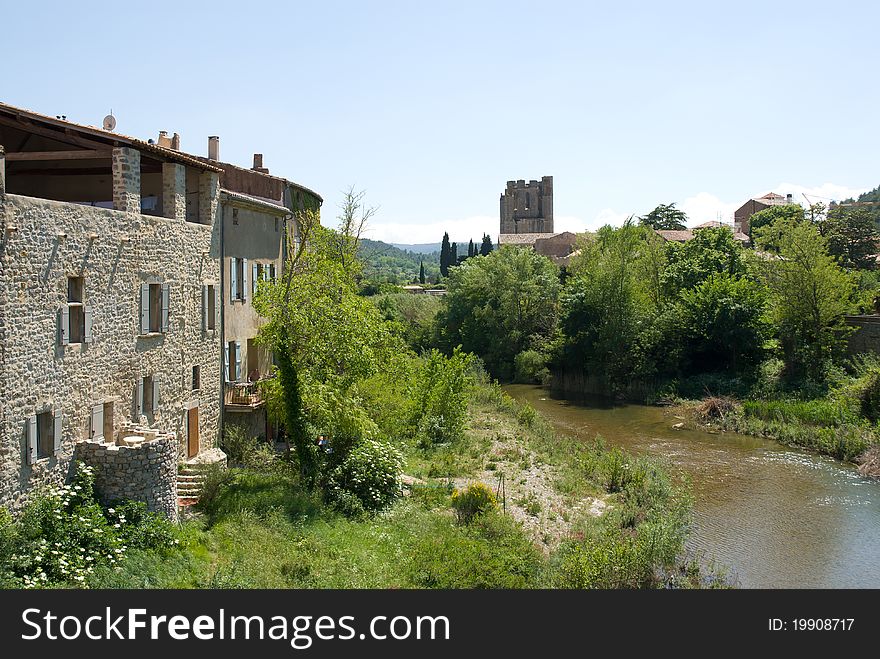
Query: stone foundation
x=146 y=472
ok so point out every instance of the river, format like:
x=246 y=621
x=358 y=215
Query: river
x=773 y=516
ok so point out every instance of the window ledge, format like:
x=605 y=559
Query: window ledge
x=150 y=335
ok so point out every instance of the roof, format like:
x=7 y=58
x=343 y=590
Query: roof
x=711 y=224
x=675 y=235
x=107 y=136
x=522 y=238
x=229 y=166
x=239 y=199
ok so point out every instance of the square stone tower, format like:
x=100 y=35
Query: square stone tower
x=527 y=207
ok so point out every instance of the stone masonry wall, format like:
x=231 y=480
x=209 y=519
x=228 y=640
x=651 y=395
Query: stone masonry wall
x=145 y=473
x=116 y=253
x=866 y=338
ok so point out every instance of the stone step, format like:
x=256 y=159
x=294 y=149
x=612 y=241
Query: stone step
x=190 y=478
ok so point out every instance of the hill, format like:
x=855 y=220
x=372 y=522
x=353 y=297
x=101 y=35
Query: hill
x=384 y=263
x=420 y=248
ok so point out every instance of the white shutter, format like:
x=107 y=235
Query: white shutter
x=204 y=307
x=64 y=325
x=32 y=439
x=139 y=400
x=59 y=418
x=145 y=308
x=97 y=422
x=226 y=361
x=233 y=279
x=244 y=276
x=238 y=361
x=166 y=300
x=255 y=278
x=88 y=322
x=155 y=393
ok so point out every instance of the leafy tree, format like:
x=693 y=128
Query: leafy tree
x=422 y=272
x=486 y=246
x=665 y=217
x=852 y=236
x=445 y=256
x=500 y=305
x=790 y=212
x=710 y=251
x=724 y=323
x=810 y=294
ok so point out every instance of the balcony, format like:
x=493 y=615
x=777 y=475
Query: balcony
x=243 y=396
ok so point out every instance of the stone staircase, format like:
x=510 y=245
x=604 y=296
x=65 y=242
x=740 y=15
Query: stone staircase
x=190 y=479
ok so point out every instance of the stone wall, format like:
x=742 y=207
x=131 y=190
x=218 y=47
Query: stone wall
x=527 y=207
x=115 y=253
x=866 y=338
x=145 y=473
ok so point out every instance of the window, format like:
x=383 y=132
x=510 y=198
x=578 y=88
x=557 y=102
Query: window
x=147 y=400
x=238 y=279
x=209 y=307
x=101 y=426
x=233 y=361
x=235 y=216
x=75 y=319
x=196 y=378
x=44 y=435
x=155 y=304
x=276 y=225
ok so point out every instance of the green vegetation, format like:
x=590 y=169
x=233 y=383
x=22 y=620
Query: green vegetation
x=386 y=264
x=665 y=217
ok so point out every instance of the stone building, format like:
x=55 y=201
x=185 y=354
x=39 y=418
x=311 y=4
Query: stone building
x=742 y=214
x=115 y=313
x=527 y=207
x=107 y=246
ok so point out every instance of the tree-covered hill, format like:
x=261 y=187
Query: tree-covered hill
x=384 y=263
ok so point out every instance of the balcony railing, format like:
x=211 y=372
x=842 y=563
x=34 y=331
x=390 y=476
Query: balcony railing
x=243 y=395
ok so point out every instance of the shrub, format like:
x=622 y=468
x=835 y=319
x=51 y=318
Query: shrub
x=139 y=528
x=530 y=366
x=475 y=500
x=440 y=398
x=370 y=473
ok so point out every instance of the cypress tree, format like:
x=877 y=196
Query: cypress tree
x=422 y=272
x=486 y=247
x=444 y=255
x=471 y=250
x=453 y=254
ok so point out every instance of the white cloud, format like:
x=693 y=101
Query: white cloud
x=825 y=193
x=704 y=207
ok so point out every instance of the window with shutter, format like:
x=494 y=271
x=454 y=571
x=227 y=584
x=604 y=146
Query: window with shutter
x=238 y=361
x=205 y=326
x=64 y=325
x=57 y=432
x=155 y=401
x=233 y=279
x=87 y=336
x=166 y=302
x=32 y=439
x=46 y=424
x=255 y=277
x=244 y=279
x=145 y=308
x=139 y=399
x=96 y=431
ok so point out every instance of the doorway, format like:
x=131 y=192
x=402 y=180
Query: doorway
x=192 y=432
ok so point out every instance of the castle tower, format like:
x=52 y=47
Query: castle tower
x=527 y=207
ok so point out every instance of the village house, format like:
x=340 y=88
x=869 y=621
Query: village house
x=115 y=313
x=742 y=214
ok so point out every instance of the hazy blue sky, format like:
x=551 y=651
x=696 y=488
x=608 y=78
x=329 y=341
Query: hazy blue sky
x=431 y=107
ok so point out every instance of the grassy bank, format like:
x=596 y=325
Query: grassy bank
x=569 y=516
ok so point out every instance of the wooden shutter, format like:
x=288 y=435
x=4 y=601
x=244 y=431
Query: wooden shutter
x=216 y=305
x=233 y=279
x=166 y=301
x=59 y=419
x=255 y=271
x=32 y=439
x=204 y=307
x=226 y=361
x=64 y=325
x=238 y=361
x=145 y=308
x=97 y=422
x=244 y=277
x=155 y=393
x=87 y=337
x=139 y=399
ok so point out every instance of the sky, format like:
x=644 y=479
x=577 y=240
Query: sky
x=431 y=107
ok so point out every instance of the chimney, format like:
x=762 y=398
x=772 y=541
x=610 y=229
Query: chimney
x=258 y=164
x=788 y=198
x=214 y=147
x=164 y=140
x=175 y=142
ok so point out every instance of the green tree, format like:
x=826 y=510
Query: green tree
x=852 y=236
x=471 y=250
x=445 y=255
x=710 y=251
x=810 y=295
x=500 y=305
x=665 y=217
x=453 y=254
x=790 y=212
x=422 y=272
x=486 y=245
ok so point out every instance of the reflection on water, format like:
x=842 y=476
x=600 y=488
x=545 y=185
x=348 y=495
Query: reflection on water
x=776 y=517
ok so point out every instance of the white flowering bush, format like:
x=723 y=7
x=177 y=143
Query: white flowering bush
x=64 y=534
x=370 y=473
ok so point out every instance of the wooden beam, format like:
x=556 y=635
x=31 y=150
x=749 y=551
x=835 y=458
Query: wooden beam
x=57 y=135
x=87 y=154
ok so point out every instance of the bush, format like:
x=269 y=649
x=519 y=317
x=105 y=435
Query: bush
x=530 y=367
x=369 y=473
x=440 y=400
x=475 y=500
x=139 y=528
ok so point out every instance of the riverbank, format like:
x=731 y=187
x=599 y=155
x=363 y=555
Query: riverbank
x=816 y=426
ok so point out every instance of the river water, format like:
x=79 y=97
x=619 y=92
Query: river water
x=773 y=516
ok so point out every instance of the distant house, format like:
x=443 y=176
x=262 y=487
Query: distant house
x=683 y=235
x=755 y=204
x=555 y=246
